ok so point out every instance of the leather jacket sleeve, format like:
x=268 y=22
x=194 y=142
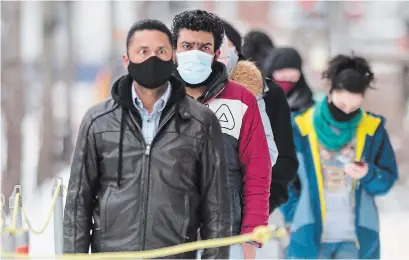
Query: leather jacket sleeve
x=81 y=191
x=216 y=209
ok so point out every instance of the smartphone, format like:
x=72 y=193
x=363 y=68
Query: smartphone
x=360 y=163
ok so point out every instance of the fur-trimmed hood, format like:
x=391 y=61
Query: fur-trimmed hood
x=247 y=74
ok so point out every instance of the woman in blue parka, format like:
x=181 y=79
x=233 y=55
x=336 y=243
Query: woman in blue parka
x=346 y=159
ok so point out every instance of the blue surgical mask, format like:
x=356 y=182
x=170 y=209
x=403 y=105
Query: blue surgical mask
x=232 y=60
x=194 y=66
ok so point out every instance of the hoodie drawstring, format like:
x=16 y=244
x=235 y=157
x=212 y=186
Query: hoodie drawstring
x=121 y=140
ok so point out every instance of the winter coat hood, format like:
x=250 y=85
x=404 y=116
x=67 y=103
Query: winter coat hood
x=282 y=58
x=247 y=74
x=121 y=91
x=300 y=97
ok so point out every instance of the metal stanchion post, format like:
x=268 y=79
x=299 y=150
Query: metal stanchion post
x=8 y=244
x=22 y=242
x=19 y=218
x=7 y=239
x=3 y=213
x=58 y=216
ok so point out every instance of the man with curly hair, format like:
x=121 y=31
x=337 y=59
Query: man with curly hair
x=197 y=37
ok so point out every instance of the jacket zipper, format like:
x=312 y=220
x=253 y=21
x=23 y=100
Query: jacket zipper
x=214 y=97
x=138 y=128
x=147 y=154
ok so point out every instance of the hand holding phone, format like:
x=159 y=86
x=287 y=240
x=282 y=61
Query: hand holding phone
x=356 y=170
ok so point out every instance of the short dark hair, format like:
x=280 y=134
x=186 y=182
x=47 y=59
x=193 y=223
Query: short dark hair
x=256 y=45
x=148 y=24
x=350 y=73
x=198 y=20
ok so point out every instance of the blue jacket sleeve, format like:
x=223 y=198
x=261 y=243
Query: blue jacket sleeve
x=383 y=171
x=288 y=209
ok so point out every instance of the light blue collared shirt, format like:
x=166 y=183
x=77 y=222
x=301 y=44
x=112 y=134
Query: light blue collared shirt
x=150 y=122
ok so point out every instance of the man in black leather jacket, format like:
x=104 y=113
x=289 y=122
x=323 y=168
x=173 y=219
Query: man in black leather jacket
x=149 y=166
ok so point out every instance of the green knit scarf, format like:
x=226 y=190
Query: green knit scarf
x=332 y=134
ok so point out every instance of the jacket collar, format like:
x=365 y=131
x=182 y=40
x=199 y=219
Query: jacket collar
x=368 y=125
x=215 y=83
x=121 y=92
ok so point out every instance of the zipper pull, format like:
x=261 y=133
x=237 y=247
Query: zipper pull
x=148 y=150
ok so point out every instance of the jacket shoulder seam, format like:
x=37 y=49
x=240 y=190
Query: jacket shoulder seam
x=94 y=118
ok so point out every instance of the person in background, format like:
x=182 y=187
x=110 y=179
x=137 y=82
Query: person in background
x=149 y=166
x=284 y=67
x=197 y=37
x=247 y=74
x=256 y=46
x=278 y=111
x=228 y=55
x=346 y=160
x=234 y=39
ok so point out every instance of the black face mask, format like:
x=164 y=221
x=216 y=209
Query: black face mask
x=152 y=73
x=340 y=115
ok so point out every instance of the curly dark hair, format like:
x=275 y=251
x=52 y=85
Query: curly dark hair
x=198 y=20
x=350 y=73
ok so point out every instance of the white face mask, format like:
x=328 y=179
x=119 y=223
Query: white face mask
x=228 y=55
x=232 y=60
x=194 y=66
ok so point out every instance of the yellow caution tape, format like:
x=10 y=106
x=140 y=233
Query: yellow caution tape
x=14 y=230
x=15 y=210
x=261 y=234
x=50 y=214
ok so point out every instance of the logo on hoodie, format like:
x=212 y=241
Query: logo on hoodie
x=230 y=114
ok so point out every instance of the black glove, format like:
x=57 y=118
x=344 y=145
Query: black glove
x=278 y=195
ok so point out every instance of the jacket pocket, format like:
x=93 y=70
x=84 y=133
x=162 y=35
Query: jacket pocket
x=171 y=220
x=96 y=241
x=105 y=212
x=236 y=209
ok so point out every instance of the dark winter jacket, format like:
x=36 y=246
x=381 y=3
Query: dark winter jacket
x=285 y=169
x=246 y=148
x=134 y=196
x=278 y=114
